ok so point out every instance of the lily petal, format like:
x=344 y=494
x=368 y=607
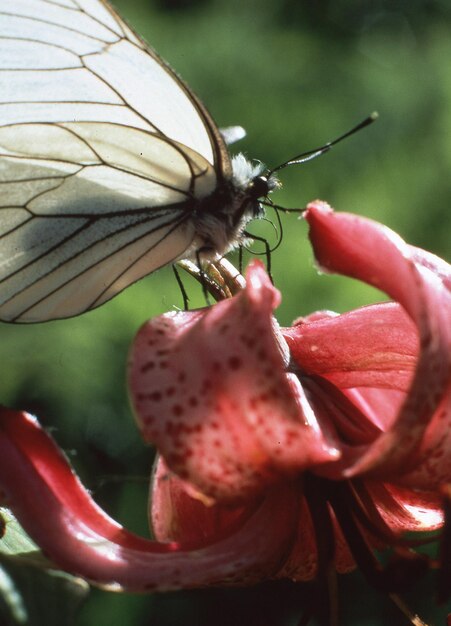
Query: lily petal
x=375 y=346
x=404 y=510
x=59 y=514
x=363 y=249
x=209 y=389
x=178 y=513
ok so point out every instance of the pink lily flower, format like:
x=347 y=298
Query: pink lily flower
x=283 y=451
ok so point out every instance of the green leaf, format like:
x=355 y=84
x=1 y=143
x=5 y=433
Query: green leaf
x=32 y=592
x=14 y=540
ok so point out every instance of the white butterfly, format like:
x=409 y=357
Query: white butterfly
x=110 y=167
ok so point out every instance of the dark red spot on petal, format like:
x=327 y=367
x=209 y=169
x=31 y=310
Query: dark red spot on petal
x=234 y=362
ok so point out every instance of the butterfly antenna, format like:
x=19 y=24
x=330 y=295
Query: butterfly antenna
x=316 y=152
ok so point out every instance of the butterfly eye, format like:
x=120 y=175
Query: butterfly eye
x=261 y=186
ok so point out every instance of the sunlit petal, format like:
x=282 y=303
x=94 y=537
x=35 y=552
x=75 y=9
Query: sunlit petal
x=375 y=346
x=210 y=390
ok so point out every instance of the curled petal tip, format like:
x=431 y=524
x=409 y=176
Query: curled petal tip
x=361 y=248
x=317 y=207
x=259 y=285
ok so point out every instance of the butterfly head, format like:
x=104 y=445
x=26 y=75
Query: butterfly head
x=254 y=182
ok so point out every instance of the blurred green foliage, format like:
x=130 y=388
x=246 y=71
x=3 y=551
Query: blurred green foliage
x=295 y=74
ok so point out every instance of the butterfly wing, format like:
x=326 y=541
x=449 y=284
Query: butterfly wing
x=102 y=152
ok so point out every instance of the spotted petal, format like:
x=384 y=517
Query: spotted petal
x=209 y=389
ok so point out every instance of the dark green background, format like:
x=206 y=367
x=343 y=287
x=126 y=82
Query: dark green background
x=295 y=74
